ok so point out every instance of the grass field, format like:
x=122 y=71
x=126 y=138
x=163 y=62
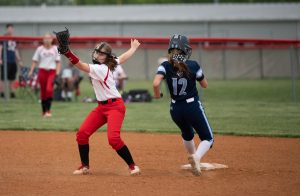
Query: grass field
x=241 y=107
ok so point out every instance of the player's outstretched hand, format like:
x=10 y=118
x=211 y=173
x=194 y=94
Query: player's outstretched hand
x=135 y=43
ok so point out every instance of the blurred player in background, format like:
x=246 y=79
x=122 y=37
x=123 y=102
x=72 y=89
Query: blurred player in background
x=48 y=61
x=186 y=109
x=70 y=79
x=67 y=83
x=12 y=56
x=119 y=77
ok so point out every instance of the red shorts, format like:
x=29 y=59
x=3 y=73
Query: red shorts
x=111 y=113
x=46 y=80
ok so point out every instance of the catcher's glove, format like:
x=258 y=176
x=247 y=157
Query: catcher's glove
x=63 y=38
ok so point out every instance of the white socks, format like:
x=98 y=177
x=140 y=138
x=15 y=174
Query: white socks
x=63 y=94
x=189 y=146
x=69 y=94
x=203 y=147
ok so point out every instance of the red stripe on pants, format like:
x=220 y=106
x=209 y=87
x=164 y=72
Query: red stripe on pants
x=112 y=114
x=46 y=79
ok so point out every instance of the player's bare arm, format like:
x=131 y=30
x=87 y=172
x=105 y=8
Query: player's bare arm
x=156 y=85
x=126 y=55
x=33 y=65
x=203 y=83
x=83 y=66
x=58 y=67
x=18 y=57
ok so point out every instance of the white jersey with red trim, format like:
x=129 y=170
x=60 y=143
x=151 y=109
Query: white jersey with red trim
x=103 y=82
x=47 y=58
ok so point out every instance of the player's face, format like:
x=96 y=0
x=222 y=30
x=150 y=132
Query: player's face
x=10 y=30
x=47 y=40
x=101 y=57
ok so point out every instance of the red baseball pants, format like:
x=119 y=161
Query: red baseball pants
x=46 y=79
x=113 y=114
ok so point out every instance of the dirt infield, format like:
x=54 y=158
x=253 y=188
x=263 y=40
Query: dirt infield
x=41 y=163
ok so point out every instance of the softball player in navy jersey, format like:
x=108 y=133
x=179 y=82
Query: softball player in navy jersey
x=186 y=110
x=110 y=109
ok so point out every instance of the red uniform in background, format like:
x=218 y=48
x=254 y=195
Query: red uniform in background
x=48 y=61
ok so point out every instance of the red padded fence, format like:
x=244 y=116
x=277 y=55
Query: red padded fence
x=162 y=42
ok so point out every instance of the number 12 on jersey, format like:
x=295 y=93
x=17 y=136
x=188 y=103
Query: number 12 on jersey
x=182 y=82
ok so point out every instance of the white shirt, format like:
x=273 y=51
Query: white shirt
x=119 y=71
x=103 y=82
x=47 y=58
x=67 y=73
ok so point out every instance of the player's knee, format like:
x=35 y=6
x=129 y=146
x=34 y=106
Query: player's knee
x=81 y=137
x=115 y=142
x=187 y=137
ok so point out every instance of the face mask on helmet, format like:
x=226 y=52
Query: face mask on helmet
x=180 y=42
x=179 y=58
x=99 y=50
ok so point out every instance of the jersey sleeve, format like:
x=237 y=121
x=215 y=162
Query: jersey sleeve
x=36 y=55
x=98 y=72
x=118 y=61
x=161 y=70
x=119 y=70
x=199 y=73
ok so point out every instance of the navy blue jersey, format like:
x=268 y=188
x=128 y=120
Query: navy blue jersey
x=10 y=51
x=181 y=87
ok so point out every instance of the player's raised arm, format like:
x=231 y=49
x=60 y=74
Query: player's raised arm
x=126 y=55
x=63 y=38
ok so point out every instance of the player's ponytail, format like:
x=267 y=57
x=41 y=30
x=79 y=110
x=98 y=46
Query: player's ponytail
x=179 y=66
x=111 y=62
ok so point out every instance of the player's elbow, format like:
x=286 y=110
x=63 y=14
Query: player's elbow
x=122 y=59
x=203 y=83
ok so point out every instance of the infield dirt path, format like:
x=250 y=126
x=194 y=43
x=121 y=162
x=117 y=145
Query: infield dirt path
x=41 y=163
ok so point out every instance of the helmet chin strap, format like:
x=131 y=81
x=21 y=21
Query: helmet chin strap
x=98 y=50
x=94 y=59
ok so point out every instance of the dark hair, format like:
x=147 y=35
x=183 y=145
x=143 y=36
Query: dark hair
x=110 y=60
x=9 y=25
x=177 y=65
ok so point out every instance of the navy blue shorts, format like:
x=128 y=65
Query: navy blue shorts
x=12 y=69
x=189 y=117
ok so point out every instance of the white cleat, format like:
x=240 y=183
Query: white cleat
x=196 y=170
x=136 y=171
x=186 y=167
x=47 y=115
x=82 y=170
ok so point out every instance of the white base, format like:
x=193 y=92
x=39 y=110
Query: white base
x=205 y=166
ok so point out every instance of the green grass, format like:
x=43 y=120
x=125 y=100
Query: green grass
x=238 y=107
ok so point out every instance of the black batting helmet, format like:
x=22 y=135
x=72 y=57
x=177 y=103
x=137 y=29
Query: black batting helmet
x=180 y=42
x=104 y=48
